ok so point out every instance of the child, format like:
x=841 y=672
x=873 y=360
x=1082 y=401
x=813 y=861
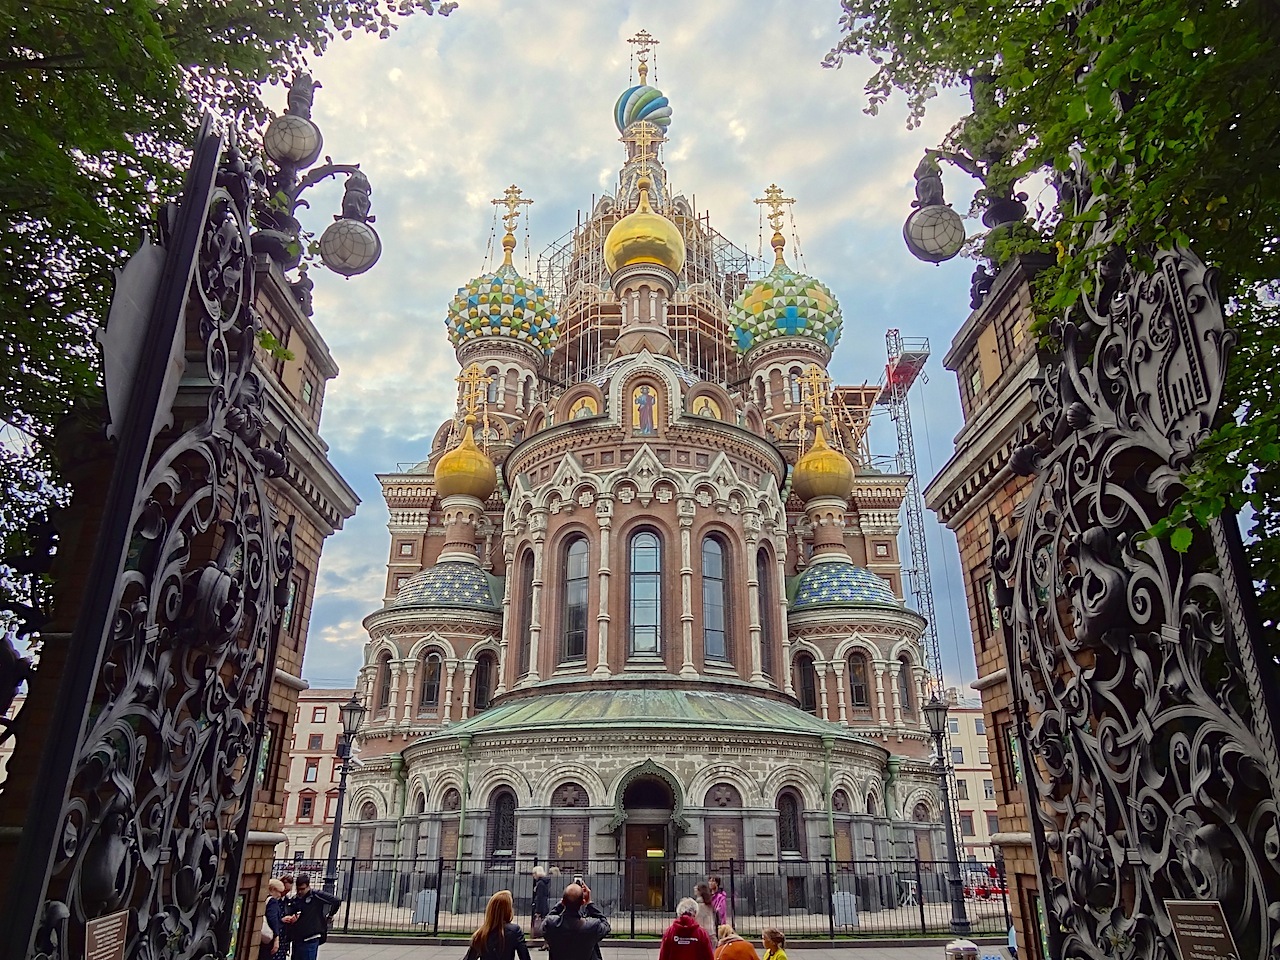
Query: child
x=774 y=941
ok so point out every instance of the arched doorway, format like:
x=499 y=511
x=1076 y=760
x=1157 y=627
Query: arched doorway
x=647 y=803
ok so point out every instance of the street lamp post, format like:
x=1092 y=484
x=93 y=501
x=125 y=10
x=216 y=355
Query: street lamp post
x=352 y=713
x=935 y=712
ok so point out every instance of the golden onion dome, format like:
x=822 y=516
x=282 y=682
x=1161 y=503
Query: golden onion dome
x=822 y=472
x=466 y=469
x=644 y=236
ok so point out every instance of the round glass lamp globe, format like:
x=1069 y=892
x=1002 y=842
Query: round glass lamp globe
x=349 y=247
x=292 y=141
x=934 y=233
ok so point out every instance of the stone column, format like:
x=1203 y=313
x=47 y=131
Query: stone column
x=821 y=670
x=895 y=668
x=504 y=642
x=604 y=519
x=879 y=668
x=396 y=670
x=685 y=509
x=838 y=667
x=410 y=688
x=785 y=666
x=451 y=673
x=468 y=669
x=751 y=526
x=537 y=527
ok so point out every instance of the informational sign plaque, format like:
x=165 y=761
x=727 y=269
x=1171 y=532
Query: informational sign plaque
x=725 y=841
x=104 y=937
x=449 y=840
x=1201 y=929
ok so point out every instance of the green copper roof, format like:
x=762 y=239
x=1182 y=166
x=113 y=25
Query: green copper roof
x=707 y=711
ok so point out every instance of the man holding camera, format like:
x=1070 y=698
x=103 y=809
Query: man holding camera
x=575 y=926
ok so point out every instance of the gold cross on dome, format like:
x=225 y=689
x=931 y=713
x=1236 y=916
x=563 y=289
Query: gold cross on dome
x=643 y=43
x=643 y=139
x=776 y=203
x=474 y=384
x=816 y=385
x=511 y=199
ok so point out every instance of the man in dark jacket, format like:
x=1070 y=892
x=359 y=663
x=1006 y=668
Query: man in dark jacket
x=575 y=926
x=307 y=916
x=685 y=939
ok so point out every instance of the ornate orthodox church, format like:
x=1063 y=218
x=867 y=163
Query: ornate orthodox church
x=644 y=596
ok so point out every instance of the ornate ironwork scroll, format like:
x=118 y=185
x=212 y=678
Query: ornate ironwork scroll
x=1146 y=711
x=146 y=793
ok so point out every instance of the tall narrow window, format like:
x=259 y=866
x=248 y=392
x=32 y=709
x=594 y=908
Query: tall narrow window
x=486 y=667
x=715 y=645
x=384 y=682
x=768 y=610
x=491 y=394
x=524 y=624
x=646 y=593
x=797 y=391
x=858 y=680
x=573 y=639
x=904 y=685
x=806 y=683
x=502 y=824
x=789 y=832
x=430 y=700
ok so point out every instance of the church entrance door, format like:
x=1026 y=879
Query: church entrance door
x=648 y=802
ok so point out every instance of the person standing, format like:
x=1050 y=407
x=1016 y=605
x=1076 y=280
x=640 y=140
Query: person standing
x=706 y=914
x=719 y=900
x=541 y=902
x=685 y=939
x=499 y=936
x=575 y=926
x=732 y=946
x=774 y=941
x=307 y=916
x=274 y=946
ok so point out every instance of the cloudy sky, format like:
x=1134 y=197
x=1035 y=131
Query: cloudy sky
x=448 y=112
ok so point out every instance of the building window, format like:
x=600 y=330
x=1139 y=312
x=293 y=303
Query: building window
x=491 y=393
x=336 y=771
x=768 y=609
x=315 y=741
x=957 y=756
x=318 y=714
x=989 y=789
x=486 y=668
x=953 y=724
x=993 y=824
x=975 y=379
x=524 y=625
x=308 y=392
x=502 y=824
x=962 y=788
x=904 y=685
x=979 y=726
x=311 y=773
x=789 y=828
x=806 y=683
x=646 y=594
x=966 y=824
x=858 y=680
x=330 y=799
x=715 y=645
x=984 y=758
x=406 y=549
x=797 y=388
x=429 y=701
x=306 y=806
x=384 y=682
x=573 y=642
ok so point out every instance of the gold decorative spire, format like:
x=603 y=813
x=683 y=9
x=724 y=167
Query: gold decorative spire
x=776 y=203
x=511 y=199
x=643 y=139
x=816 y=386
x=466 y=469
x=642 y=44
x=822 y=472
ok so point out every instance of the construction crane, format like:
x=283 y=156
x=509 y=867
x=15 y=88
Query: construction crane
x=906 y=365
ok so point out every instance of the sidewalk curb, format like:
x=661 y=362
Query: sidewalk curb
x=852 y=943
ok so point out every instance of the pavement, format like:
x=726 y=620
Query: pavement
x=851 y=950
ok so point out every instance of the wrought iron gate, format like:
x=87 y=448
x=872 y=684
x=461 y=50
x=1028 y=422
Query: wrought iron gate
x=145 y=787
x=1146 y=708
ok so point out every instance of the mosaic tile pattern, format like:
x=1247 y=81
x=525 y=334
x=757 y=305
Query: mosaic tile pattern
x=453 y=583
x=840 y=584
x=503 y=304
x=785 y=304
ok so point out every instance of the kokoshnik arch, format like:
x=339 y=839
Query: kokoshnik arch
x=635 y=591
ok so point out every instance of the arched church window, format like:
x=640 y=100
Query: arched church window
x=430 y=699
x=797 y=390
x=486 y=668
x=858 y=687
x=768 y=609
x=646 y=593
x=491 y=392
x=715 y=644
x=524 y=624
x=502 y=824
x=368 y=810
x=904 y=684
x=420 y=805
x=573 y=634
x=806 y=683
x=384 y=682
x=790 y=834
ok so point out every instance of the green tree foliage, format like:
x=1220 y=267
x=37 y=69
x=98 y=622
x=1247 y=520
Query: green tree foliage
x=98 y=103
x=1190 y=156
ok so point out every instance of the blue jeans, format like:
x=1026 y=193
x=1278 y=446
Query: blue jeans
x=307 y=950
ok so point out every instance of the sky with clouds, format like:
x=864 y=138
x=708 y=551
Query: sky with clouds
x=448 y=112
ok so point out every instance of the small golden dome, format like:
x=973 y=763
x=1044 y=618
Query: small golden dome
x=466 y=469
x=644 y=236
x=822 y=472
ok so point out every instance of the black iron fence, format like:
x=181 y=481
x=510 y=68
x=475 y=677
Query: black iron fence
x=802 y=898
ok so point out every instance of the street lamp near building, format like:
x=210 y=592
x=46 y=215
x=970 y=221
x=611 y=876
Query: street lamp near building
x=352 y=715
x=935 y=712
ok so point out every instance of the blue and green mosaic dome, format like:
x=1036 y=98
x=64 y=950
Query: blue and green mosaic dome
x=451 y=583
x=503 y=304
x=642 y=103
x=839 y=583
x=785 y=304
